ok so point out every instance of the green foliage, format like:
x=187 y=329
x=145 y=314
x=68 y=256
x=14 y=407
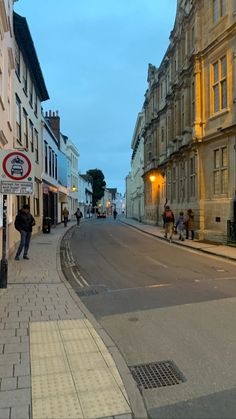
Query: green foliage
x=98 y=184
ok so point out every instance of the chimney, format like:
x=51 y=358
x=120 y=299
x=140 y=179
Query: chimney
x=54 y=122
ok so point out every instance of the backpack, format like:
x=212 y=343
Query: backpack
x=168 y=215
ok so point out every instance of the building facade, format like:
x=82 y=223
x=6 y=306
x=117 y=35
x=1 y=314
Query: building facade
x=86 y=195
x=29 y=92
x=190 y=119
x=136 y=173
x=7 y=65
x=72 y=155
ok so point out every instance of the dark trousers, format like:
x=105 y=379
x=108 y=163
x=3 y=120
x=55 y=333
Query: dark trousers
x=25 y=237
x=187 y=234
x=65 y=221
x=78 y=221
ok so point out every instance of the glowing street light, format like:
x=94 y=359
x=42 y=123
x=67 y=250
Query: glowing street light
x=152 y=178
x=73 y=188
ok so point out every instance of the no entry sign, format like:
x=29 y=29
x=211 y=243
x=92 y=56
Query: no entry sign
x=16 y=172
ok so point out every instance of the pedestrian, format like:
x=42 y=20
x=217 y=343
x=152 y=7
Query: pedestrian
x=169 y=220
x=189 y=224
x=114 y=214
x=180 y=225
x=65 y=214
x=78 y=215
x=24 y=223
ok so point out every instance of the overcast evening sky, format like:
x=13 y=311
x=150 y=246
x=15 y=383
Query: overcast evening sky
x=94 y=55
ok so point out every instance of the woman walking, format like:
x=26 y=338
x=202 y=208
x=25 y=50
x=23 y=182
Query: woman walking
x=190 y=226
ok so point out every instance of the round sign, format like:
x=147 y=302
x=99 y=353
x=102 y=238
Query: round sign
x=16 y=165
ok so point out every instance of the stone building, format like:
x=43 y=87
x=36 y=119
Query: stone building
x=190 y=119
x=136 y=172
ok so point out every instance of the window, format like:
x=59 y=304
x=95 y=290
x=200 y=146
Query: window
x=55 y=166
x=220 y=85
x=50 y=161
x=174 y=183
x=219 y=9
x=193 y=101
x=25 y=78
x=192 y=177
x=220 y=173
x=36 y=136
x=18 y=119
x=193 y=37
x=35 y=104
x=31 y=135
x=36 y=199
x=182 y=181
x=17 y=60
x=182 y=113
x=25 y=130
x=162 y=135
x=31 y=92
x=46 y=157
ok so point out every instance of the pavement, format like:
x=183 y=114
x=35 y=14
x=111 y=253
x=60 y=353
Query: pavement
x=55 y=360
x=228 y=252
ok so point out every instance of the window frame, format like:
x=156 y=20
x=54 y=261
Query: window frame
x=219 y=85
x=219 y=171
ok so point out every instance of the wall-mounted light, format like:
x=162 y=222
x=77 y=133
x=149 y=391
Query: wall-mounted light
x=73 y=188
x=152 y=178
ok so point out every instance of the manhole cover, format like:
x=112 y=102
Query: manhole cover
x=158 y=374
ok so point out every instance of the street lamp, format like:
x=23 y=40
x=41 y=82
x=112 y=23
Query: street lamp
x=73 y=188
x=152 y=178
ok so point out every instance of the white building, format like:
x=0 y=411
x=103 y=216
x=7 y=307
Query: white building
x=30 y=91
x=86 y=195
x=6 y=96
x=72 y=155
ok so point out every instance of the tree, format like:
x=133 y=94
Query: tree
x=98 y=184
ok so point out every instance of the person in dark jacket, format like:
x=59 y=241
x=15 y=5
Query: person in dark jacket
x=78 y=214
x=24 y=223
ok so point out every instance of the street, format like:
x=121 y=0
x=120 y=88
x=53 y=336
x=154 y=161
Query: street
x=160 y=302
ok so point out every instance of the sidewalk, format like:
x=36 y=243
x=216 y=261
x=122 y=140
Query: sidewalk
x=227 y=252
x=53 y=362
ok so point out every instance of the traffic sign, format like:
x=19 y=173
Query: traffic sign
x=16 y=175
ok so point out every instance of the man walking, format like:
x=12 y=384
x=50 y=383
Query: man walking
x=24 y=223
x=65 y=214
x=78 y=214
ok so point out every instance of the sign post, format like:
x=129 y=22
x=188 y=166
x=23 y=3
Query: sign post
x=16 y=178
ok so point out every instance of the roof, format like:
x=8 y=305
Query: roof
x=88 y=178
x=26 y=44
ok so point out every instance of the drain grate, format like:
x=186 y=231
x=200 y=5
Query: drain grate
x=86 y=292
x=158 y=374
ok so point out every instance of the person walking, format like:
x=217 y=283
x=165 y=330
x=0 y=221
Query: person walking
x=169 y=219
x=114 y=214
x=78 y=215
x=190 y=225
x=180 y=225
x=65 y=214
x=24 y=223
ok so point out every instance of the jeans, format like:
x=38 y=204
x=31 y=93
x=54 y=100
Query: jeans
x=65 y=221
x=25 y=237
x=78 y=221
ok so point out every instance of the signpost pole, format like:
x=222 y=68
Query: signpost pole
x=4 y=263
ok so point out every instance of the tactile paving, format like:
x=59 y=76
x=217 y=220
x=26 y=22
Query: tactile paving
x=51 y=385
x=101 y=403
x=73 y=374
x=59 y=407
x=75 y=334
x=52 y=365
x=88 y=380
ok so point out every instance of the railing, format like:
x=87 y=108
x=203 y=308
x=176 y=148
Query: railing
x=231 y=232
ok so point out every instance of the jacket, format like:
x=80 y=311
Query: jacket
x=24 y=221
x=168 y=216
x=190 y=222
x=180 y=223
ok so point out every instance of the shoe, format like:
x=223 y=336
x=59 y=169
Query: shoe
x=170 y=240
x=17 y=258
x=25 y=257
x=165 y=236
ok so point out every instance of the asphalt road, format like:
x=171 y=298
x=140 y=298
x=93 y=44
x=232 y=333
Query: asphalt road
x=162 y=302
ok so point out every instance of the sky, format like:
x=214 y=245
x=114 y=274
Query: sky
x=94 y=55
